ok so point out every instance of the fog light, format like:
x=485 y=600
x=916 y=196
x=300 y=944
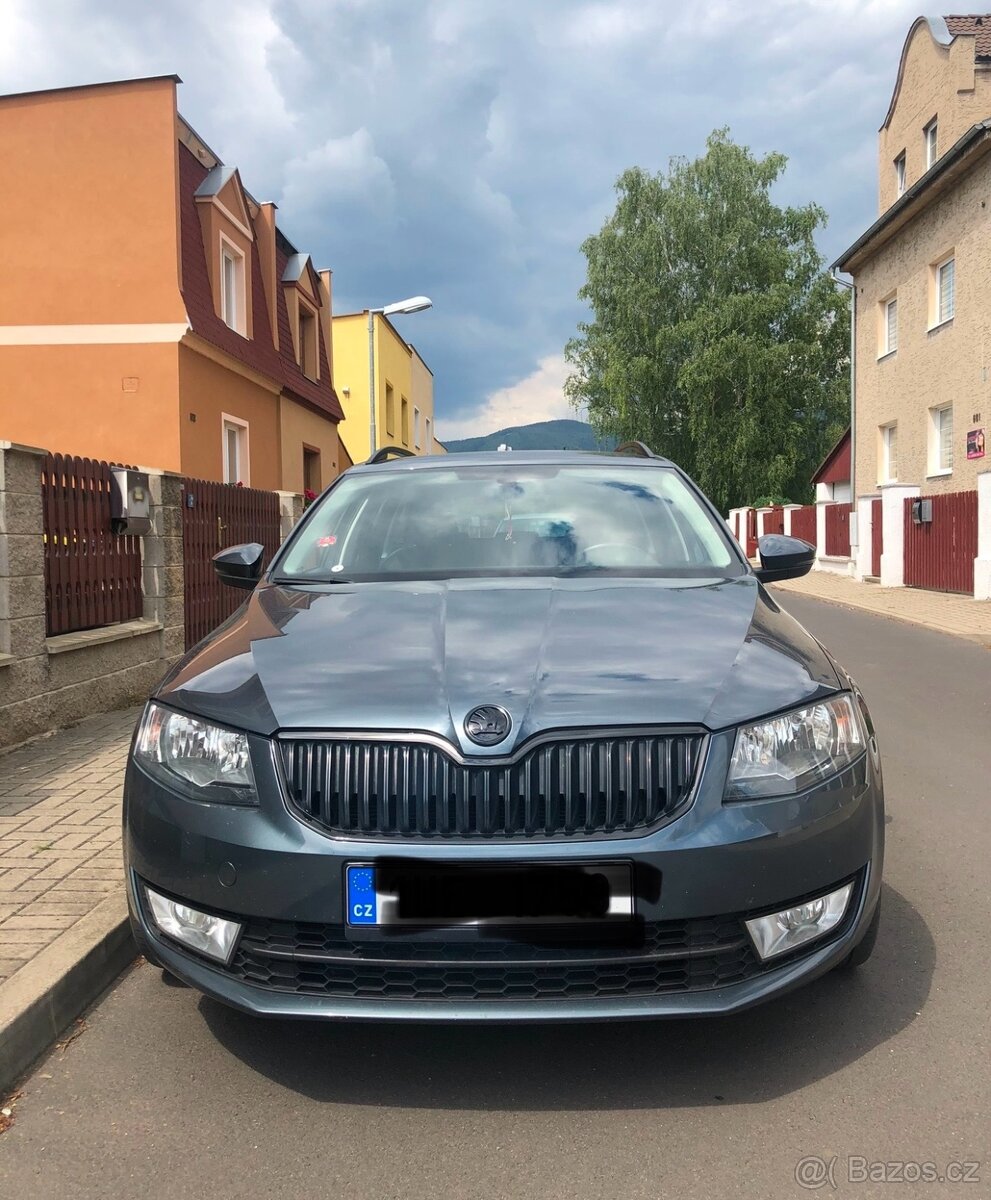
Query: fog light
x=210 y=935
x=779 y=932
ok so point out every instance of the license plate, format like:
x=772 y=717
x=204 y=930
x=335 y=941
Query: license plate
x=418 y=895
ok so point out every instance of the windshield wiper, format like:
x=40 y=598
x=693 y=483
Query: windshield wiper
x=289 y=580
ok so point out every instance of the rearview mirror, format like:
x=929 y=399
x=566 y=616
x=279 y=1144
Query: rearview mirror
x=783 y=557
x=240 y=566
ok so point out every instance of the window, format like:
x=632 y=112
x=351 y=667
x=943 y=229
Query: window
x=944 y=296
x=900 y=174
x=889 y=326
x=311 y=470
x=308 y=357
x=931 y=143
x=427 y=437
x=449 y=522
x=390 y=410
x=235 y=450
x=232 y=307
x=404 y=428
x=416 y=427
x=888 y=472
x=941 y=440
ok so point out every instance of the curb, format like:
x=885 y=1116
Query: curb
x=981 y=639
x=38 y=1002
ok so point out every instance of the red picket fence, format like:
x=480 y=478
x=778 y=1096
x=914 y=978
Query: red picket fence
x=940 y=554
x=774 y=521
x=92 y=576
x=877 y=537
x=751 y=548
x=838 y=530
x=214 y=516
x=803 y=523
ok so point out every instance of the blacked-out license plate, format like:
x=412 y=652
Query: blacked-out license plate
x=511 y=894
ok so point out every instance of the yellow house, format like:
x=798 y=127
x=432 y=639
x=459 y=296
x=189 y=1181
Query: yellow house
x=404 y=388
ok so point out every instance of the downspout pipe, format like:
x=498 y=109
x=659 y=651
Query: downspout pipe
x=853 y=382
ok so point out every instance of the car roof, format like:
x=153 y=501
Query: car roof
x=506 y=458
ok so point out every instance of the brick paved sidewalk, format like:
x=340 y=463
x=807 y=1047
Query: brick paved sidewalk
x=60 y=852
x=947 y=612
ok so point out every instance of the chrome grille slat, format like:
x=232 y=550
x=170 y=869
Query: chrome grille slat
x=585 y=786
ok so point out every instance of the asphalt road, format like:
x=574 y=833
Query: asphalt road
x=166 y=1094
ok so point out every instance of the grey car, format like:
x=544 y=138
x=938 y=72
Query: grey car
x=514 y=736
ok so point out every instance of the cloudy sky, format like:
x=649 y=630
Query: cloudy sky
x=465 y=148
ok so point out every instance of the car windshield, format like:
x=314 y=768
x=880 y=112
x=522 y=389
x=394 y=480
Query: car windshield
x=447 y=521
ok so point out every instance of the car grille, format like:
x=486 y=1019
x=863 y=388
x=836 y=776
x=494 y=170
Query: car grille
x=671 y=956
x=593 y=786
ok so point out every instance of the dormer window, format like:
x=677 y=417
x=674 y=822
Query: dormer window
x=232 y=302
x=900 y=174
x=930 y=134
x=308 y=355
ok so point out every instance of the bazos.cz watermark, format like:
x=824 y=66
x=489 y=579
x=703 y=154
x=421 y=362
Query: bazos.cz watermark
x=813 y=1172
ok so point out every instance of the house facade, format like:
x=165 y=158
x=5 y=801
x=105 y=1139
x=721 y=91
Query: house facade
x=151 y=310
x=404 y=388
x=922 y=272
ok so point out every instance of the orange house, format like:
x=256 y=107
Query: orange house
x=151 y=311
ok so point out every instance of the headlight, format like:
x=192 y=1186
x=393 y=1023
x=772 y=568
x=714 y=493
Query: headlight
x=204 y=760
x=790 y=753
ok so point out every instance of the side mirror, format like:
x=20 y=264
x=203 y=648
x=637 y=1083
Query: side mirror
x=240 y=566
x=783 y=558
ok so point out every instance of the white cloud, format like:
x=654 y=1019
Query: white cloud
x=538 y=397
x=343 y=168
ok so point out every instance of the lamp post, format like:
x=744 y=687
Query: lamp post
x=414 y=304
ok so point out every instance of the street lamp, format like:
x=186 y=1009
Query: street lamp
x=414 y=304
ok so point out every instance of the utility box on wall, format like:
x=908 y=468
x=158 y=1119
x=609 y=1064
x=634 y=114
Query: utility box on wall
x=922 y=511
x=130 y=502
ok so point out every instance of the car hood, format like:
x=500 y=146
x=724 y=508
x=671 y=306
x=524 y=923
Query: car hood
x=555 y=653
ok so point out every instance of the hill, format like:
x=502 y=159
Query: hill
x=542 y=435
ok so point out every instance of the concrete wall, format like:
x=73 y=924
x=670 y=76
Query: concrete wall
x=90 y=307
x=302 y=427
x=208 y=389
x=49 y=682
x=948 y=363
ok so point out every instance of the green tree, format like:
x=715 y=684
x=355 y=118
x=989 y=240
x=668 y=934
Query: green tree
x=717 y=336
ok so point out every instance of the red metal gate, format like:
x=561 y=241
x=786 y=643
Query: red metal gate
x=92 y=576
x=216 y=515
x=803 y=523
x=774 y=521
x=940 y=553
x=877 y=536
x=838 y=530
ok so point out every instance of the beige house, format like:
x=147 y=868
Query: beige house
x=922 y=271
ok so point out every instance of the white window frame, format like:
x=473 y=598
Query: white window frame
x=416 y=427
x=888 y=345
x=939 y=317
x=931 y=134
x=243 y=473
x=886 y=432
x=900 y=174
x=239 y=318
x=427 y=435
x=935 y=448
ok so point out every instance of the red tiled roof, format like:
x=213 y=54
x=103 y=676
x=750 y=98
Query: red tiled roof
x=258 y=351
x=975 y=25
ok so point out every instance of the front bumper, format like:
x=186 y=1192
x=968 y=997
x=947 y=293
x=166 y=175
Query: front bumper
x=716 y=863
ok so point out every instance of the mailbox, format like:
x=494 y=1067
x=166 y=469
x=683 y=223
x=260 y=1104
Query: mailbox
x=130 y=502
x=922 y=511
